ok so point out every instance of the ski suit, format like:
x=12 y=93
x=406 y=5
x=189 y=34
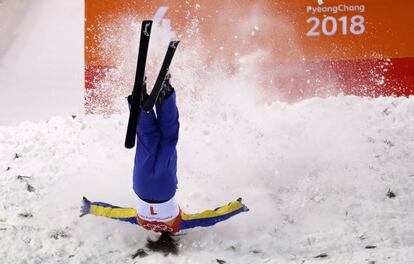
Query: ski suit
x=155 y=179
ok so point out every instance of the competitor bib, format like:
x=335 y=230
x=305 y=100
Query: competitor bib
x=160 y=212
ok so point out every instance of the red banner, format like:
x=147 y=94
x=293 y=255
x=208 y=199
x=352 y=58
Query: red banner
x=361 y=47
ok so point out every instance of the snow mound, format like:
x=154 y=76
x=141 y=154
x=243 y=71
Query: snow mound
x=326 y=180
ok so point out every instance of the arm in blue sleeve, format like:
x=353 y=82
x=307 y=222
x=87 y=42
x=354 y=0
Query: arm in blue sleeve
x=109 y=211
x=212 y=217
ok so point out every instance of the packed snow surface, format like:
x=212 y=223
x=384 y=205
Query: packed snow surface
x=326 y=180
x=324 y=177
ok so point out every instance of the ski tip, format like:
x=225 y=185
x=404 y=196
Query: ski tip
x=146 y=28
x=129 y=145
x=131 y=130
x=159 y=15
x=146 y=25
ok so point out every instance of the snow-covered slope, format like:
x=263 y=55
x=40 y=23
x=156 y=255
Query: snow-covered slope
x=327 y=176
x=315 y=176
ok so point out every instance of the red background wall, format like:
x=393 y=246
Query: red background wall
x=373 y=61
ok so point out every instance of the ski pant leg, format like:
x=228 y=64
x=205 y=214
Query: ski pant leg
x=149 y=135
x=166 y=168
x=167 y=116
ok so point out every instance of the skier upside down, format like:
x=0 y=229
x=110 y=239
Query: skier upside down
x=155 y=176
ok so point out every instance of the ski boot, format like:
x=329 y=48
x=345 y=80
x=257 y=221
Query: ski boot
x=144 y=94
x=167 y=90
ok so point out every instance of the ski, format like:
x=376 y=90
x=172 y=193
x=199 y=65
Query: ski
x=149 y=104
x=139 y=79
